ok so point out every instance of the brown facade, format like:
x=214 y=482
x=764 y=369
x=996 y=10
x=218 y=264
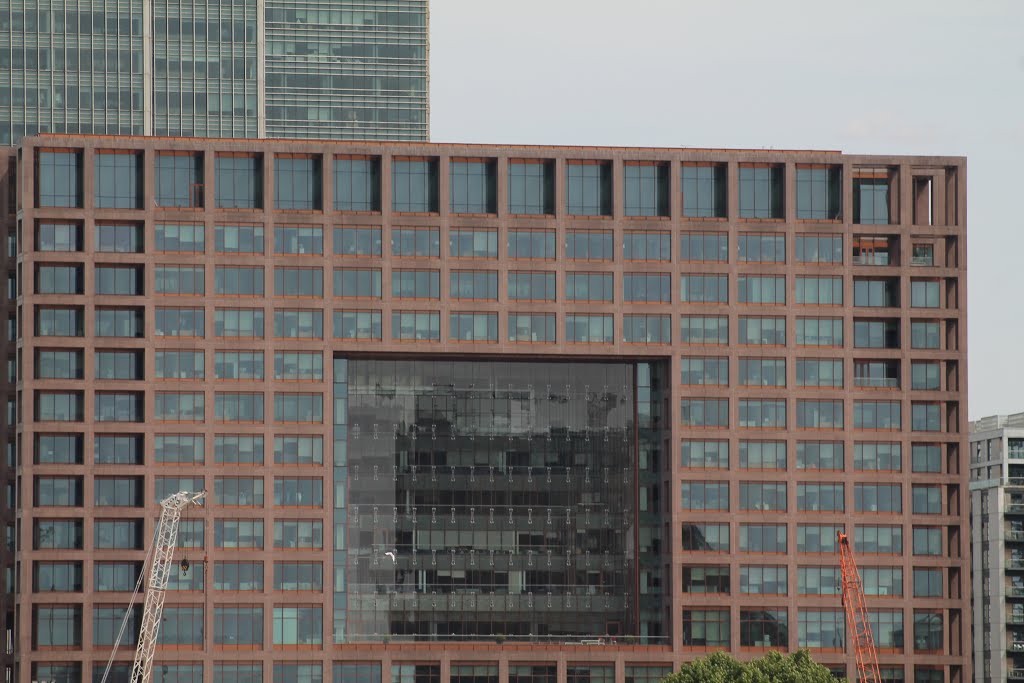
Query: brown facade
x=926 y=205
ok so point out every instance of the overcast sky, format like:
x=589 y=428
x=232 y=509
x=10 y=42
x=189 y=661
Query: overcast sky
x=872 y=76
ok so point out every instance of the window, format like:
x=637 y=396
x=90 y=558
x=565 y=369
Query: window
x=530 y=286
x=63 y=577
x=239 y=181
x=59 y=279
x=927 y=540
x=183 y=449
x=238 y=491
x=877 y=456
x=761 y=191
x=239 y=625
x=54 y=406
x=237 y=281
x=818 y=580
x=119 y=407
x=876 y=334
x=886 y=498
x=120 y=280
x=298 y=239
x=883 y=540
x=182 y=626
x=589 y=188
x=768 y=372
x=473 y=186
x=819 y=291
x=238 y=448
x=706 y=289
x=299 y=324
x=705 y=370
x=531 y=187
x=877 y=374
x=298 y=533
x=706 y=628
x=928 y=631
x=883 y=415
x=647 y=246
x=760 y=580
x=922 y=255
x=238 y=322
x=926 y=500
x=243 y=365
x=118 y=449
x=481 y=285
x=531 y=327
x=711 y=455
x=704 y=247
x=761 y=289
x=414 y=184
x=871 y=250
x=706 y=330
x=822 y=629
x=763 y=496
x=924 y=294
x=871 y=196
x=416 y=242
x=57 y=627
x=819 y=332
x=924 y=334
x=298 y=492
x=819 y=192
x=298 y=365
x=179 y=180
x=762 y=413
x=299 y=408
x=59 y=364
x=924 y=376
x=819 y=372
x=298 y=450
x=886 y=625
x=59 y=449
x=416 y=325
x=763 y=455
x=706 y=537
x=820 y=497
x=298 y=179
x=239 y=239
x=235 y=672
x=356 y=183
x=119 y=238
x=755 y=248
x=926 y=457
x=705 y=495
x=764 y=628
x=879 y=292
x=705 y=412
x=118 y=179
x=357 y=324
x=647 y=287
x=589 y=329
x=179 y=365
x=297 y=626
x=470 y=243
x=819 y=248
x=589 y=245
x=179 y=406
x=704 y=190
x=706 y=580
x=238 y=533
x=179 y=238
x=61 y=322
x=647 y=329
x=168 y=486
x=58 y=492
x=59 y=178
x=57 y=534
x=118 y=534
x=763 y=538
x=58 y=236
x=238 y=407
x=531 y=244
x=180 y=280
x=298 y=576
x=646 y=188
x=474 y=327
x=927 y=582
x=416 y=284
x=818 y=538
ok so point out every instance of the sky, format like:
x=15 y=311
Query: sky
x=943 y=77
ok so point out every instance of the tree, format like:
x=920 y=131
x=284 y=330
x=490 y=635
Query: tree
x=774 y=667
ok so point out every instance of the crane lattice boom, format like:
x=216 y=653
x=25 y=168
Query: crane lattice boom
x=166 y=539
x=857 y=616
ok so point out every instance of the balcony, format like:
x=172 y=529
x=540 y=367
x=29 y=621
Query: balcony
x=1015 y=675
x=1017 y=536
x=1013 y=563
x=1015 y=481
x=879 y=383
x=1014 y=592
x=1015 y=646
x=1015 y=619
x=1014 y=509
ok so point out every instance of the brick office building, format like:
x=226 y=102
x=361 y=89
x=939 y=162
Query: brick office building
x=472 y=412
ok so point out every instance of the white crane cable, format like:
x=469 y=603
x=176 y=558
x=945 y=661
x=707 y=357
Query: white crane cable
x=128 y=612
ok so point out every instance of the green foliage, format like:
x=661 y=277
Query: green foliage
x=774 y=667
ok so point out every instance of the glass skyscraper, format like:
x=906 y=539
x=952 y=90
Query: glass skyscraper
x=338 y=69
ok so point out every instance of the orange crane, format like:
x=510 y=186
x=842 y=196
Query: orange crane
x=857 y=615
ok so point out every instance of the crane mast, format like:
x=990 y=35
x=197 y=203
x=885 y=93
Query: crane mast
x=857 y=615
x=166 y=539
